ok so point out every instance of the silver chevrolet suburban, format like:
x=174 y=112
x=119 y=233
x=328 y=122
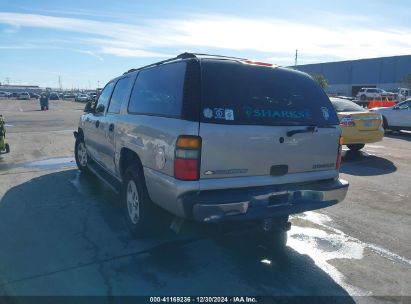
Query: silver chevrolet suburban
x=214 y=139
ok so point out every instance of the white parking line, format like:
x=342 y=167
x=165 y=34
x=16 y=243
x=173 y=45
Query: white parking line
x=376 y=147
x=323 y=247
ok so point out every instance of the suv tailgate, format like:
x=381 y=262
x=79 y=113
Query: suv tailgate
x=247 y=114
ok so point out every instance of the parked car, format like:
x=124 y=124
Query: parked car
x=68 y=95
x=34 y=95
x=93 y=96
x=5 y=94
x=397 y=117
x=403 y=94
x=214 y=139
x=359 y=126
x=54 y=96
x=371 y=93
x=82 y=97
x=24 y=96
x=345 y=97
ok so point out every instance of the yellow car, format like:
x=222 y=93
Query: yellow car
x=359 y=126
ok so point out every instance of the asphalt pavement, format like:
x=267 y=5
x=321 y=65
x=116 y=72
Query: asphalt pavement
x=62 y=233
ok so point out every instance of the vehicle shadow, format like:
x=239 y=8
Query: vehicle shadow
x=65 y=234
x=361 y=163
x=398 y=135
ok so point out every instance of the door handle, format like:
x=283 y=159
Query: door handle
x=111 y=128
x=97 y=123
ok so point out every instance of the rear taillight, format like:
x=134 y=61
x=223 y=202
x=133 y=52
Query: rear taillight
x=338 y=162
x=347 y=121
x=187 y=158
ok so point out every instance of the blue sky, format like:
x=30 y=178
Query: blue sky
x=90 y=42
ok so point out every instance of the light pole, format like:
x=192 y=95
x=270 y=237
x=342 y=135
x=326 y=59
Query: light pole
x=296 y=57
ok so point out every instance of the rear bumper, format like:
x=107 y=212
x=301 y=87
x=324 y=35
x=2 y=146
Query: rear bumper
x=254 y=203
x=362 y=137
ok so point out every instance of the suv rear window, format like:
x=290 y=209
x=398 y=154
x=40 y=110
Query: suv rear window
x=243 y=94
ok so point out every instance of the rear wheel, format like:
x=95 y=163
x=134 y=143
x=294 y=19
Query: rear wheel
x=138 y=208
x=7 y=148
x=363 y=97
x=384 y=123
x=80 y=154
x=356 y=147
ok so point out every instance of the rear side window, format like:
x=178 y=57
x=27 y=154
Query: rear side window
x=237 y=93
x=120 y=94
x=159 y=91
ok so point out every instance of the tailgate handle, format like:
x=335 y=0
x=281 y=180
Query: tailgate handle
x=279 y=170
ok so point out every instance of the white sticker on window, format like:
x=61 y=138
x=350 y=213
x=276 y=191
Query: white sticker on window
x=219 y=113
x=229 y=114
x=326 y=114
x=208 y=113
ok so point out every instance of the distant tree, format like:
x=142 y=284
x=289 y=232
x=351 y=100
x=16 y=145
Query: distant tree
x=406 y=81
x=323 y=83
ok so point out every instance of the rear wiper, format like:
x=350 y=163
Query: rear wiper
x=306 y=130
x=310 y=129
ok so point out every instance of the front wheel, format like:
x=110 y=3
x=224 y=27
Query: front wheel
x=80 y=154
x=7 y=148
x=355 y=147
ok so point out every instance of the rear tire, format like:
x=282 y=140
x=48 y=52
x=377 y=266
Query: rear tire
x=80 y=155
x=363 y=97
x=138 y=209
x=384 y=123
x=7 y=148
x=356 y=147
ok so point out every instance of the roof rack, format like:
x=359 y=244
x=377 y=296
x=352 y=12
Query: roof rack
x=185 y=55
x=195 y=55
x=155 y=64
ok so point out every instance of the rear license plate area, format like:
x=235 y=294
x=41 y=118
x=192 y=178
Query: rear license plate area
x=367 y=123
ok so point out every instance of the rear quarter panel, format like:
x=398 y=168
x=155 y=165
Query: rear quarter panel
x=153 y=138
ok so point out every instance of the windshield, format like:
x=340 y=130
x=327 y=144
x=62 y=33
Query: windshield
x=342 y=105
x=237 y=93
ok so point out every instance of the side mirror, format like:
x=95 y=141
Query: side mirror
x=100 y=108
x=89 y=107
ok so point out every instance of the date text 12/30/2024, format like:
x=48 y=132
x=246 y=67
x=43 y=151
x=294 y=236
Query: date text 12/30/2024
x=203 y=300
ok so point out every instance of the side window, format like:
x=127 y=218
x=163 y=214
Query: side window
x=104 y=98
x=120 y=94
x=159 y=90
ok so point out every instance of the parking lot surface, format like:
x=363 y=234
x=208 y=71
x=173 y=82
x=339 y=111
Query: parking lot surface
x=62 y=233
